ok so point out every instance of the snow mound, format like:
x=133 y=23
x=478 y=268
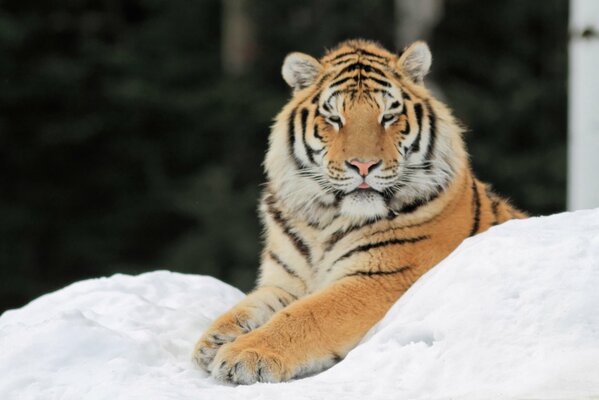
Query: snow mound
x=512 y=313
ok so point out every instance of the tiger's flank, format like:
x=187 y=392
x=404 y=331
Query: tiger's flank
x=369 y=186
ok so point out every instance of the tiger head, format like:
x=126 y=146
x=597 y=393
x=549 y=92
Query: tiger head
x=361 y=134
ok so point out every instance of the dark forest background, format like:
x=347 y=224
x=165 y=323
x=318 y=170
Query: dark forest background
x=130 y=140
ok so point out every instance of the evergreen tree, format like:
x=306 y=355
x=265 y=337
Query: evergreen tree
x=124 y=147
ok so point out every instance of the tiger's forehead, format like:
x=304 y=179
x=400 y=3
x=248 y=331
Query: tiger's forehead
x=356 y=49
x=361 y=70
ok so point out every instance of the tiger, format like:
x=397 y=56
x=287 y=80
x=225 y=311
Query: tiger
x=368 y=186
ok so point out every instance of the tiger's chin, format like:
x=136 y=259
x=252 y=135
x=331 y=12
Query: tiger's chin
x=364 y=204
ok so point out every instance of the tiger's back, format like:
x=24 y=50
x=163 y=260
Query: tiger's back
x=369 y=186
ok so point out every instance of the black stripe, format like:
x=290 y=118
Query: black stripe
x=494 y=204
x=310 y=153
x=369 y=54
x=395 y=74
x=395 y=104
x=294 y=297
x=338 y=56
x=291 y=133
x=322 y=79
x=418 y=112
x=299 y=244
x=476 y=207
x=415 y=147
x=370 y=246
x=358 y=52
x=384 y=64
x=316 y=134
x=342 y=80
x=309 y=150
x=286 y=267
x=370 y=68
x=428 y=221
x=380 y=273
x=349 y=68
x=243 y=324
x=271 y=308
x=413 y=206
x=282 y=302
x=406 y=130
x=495 y=210
x=432 y=135
x=340 y=234
x=360 y=66
x=316 y=98
x=304 y=119
x=350 y=59
x=335 y=237
x=379 y=81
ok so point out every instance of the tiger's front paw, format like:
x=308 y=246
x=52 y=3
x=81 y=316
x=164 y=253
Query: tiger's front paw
x=206 y=349
x=223 y=331
x=243 y=363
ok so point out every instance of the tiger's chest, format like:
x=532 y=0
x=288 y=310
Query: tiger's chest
x=336 y=250
x=341 y=248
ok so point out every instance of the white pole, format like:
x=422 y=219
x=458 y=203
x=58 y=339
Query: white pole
x=583 y=107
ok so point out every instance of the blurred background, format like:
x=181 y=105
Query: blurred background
x=132 y=131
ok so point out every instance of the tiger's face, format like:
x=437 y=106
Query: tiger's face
x=361 y=155
x=361 y=132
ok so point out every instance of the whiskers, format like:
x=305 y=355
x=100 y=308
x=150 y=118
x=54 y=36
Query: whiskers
x=306 y=190
x=316 y=176
x=427 y=173
x=417 y=179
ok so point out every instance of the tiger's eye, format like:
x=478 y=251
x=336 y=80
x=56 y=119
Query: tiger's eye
x=335 y=120
x=388 y=118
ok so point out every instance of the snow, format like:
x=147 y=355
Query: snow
x=512 y=313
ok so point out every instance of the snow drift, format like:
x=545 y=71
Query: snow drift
x=512 y=313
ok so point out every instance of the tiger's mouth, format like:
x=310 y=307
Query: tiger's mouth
x=364 y=190
x=369 y=193
x=364 y=203
x=364 y=194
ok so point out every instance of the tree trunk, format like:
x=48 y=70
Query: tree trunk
x=238 y=42
x=583 y=107
x=415 y=20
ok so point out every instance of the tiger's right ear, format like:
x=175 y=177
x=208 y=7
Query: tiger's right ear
x=415 y=61
x=300 y=70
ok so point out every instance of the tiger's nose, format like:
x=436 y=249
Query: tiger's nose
x=363 y=168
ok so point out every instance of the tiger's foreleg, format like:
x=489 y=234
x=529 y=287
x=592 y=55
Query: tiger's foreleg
x=252 y=312
x=311 y=334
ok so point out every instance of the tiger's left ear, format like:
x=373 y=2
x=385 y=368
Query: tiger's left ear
x=300 y=70
x=415 y=61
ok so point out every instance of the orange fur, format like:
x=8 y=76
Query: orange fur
x=336 y=256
